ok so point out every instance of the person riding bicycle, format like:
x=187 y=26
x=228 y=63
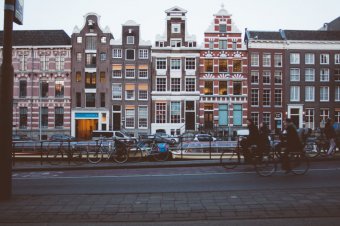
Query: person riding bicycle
x=252 y=139
x=293 y=144
x=330 y=135
x=264 y=143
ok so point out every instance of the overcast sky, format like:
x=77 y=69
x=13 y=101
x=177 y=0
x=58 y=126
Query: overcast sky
x=251 y=14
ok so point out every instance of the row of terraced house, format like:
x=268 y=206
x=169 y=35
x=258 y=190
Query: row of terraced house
x=92 y=81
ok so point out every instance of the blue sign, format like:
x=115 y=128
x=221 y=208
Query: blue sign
x=87 y=115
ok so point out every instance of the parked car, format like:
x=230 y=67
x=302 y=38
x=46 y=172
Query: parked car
x=17 y=137
x=158 y=139
x=204 y=137
x=61 y=137
x=172 y=139
x=187 y=137
x=97 y=134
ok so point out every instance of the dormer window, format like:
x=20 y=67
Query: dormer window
x=176 y=28
x=130 y=40
x=176 y=43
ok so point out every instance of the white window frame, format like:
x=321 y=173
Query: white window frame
x=294 y=58
x=175 y=28
x=326 y=94
x=143 y=54
x=133 y=97
x=130 y=39
x=324 y=75
x=139 y=94
x=337 y=59
x=266 y=58
x=144 y=117
x=337 y=94
x=294 y=77
x=163 y=85
x=189 y=65
x=177 y=86
x=130 y=70
x=117 y=85
x=278 y=60
x=256 y=76
x=163 y=62
x=174 y=66
x=187 y=84
x=309 y=93
x=176 y=43
x=143 y=70
x=309 y=77
x=324 y=58
x=131 y=117
x=309 y=58
x=117 y=53
x=255 y=59
x=295 y=93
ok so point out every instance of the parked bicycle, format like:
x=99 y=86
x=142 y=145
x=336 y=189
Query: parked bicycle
x=154 y=150
x=58 y=151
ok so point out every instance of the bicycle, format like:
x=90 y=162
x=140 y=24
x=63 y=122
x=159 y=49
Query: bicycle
x=57 y=151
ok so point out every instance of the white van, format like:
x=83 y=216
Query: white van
x=97 y=134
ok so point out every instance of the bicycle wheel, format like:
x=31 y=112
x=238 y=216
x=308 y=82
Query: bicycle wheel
x=311 y=150
x=54 y=154
x=229 y=159
x=265 y=165
x=120 y=155
x=135 y=154
x=299 y=163
x=160 y=156
x=94 y=154
x=77 y=154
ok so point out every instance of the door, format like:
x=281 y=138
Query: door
x=190 y=120
x=208 y=120
x=84 y=128
x=116 y=121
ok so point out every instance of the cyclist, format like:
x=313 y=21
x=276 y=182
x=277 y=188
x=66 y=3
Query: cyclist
x=264 y=143
x=330 y=135
x=252 y=139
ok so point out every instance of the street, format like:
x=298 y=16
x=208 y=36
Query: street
x=207 y=195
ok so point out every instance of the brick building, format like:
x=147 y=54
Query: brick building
x=42 y=82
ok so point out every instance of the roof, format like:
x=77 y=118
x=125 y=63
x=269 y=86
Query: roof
x=333 y=25
x=39 y=38
x=264 y=35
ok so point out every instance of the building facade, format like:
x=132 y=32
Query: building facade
x=131 y=81
x=223 y=77
x=91 y=76
x=175 y=70
x=42 y=82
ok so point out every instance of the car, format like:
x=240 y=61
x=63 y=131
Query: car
x=204 y=137
x=158 y=139
x=119 y=135
x=187 y=137
x=18 y=137
x=172 y=139
x=61 y=137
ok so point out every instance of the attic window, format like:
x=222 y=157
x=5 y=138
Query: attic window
x=90 y=23
x=175 y=28
x=223 y=28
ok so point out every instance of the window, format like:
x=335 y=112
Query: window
x=43 y=88
x=208 y=65
x=324 y=58
x=44 y=117
x=222 y=88
x=337 y=93
x=129 y=73
x=102 y=77
x=130 y=40
x=295 y=93
x=102 y=100
x=143 y=73
x=143 y=117
x=266 y=60
x=130 y=54
x=337 y=74
x=254 y=59
x=59 y=88
x=116 y=73
x=222 y=44
x=278 y=97
x=59 y=117
x=60 y=63
x=91 y=43
x=237 y=65
x=309 y=75
x=237 y=113
x=129 y=92
x=337 y=116
x=175 y=28
x=103 y=40
x=223 y=28
x=44 y=63
x=23 y=117
x=175 y=84
x=237 y=88
x=116 y=91
x=254 y=97
x=175 y=113
x=160 y=112
x=116 y=53
x=143 y=92
x=22 y=88
x=102 y=56
x=78 y=76
x=337 y=59
x=211 y=44
x=254 y=77
x=295 y=58
x=190 y=64
x=309 y=118
x=255 y=117
x=324 y=75
x=223 y=65
x=79 y=57
x=143 y=54
x=91 y=59
x=90 y=80
x=309 y=58
x=79 y=39
x=175 y=64
x=190 y=84
x=175 y=43
x=324 y=93
x=294 y=74
x=161 y=84
x=278 y=77
x=78 y=99
x=90 y=100
x=266 y=97
x=266 y=77
x=324 y=115
x=208 y=88
x=234 y=44
x=278 y=60
x=309 y=93
x=161 y=63
x=223 y=115
x=129 y=117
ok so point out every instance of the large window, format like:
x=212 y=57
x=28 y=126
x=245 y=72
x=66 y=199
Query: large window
x=222 y=87
x=129 y=73
x=295 y=58
x=208 y=88
x=143 y=92
x=324 y=58
x=190 y=84
x=59 y=117
x=143 y=54
x=175 y=64
x=324 y=115
x=22 y=88
x=44 y=62
x=278 y=77
x=161 y=63
x=267 y=119
x=223 y=28
x=337 y=74
x=90 y=80
x=117 y=53
x=223 y=115
x=190 y=64
x=222 y=44
x=130 y=117
x=254 y=97
x=294 y=74
x=266 y=58
x=254 y=77
x=175 y=84
x=143 y=73
x=309 y=75
x=161 y=84
x=90 y=99
x=309 y=93
x=337 y=116
x=237 y=88
x=130 y=54
x=116 y=91
x=116 y=73
x=237 y=66
x=208 y=65
x=60 y=63
x=142 y=117
x=309 y=117
x=337 y=93
x=44 y=117
x=255 y=117
x=175 y=114
x=43 y=88
x=266 y=77
x=324 y=75
x=23 y=117
x=309 y=58
x=129 y=92
x=91 y=43
x=254 y=60
x=237 y=113
x=295 y=93
x=278 y=60
x=223 y=65
x=160 y=112
x=175 y=43
x=91 y=59
x=59 y=88
x=324 y=93
x=266 y=97
x=278 y=97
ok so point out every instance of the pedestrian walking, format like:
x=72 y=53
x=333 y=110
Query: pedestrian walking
x=330 y=135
